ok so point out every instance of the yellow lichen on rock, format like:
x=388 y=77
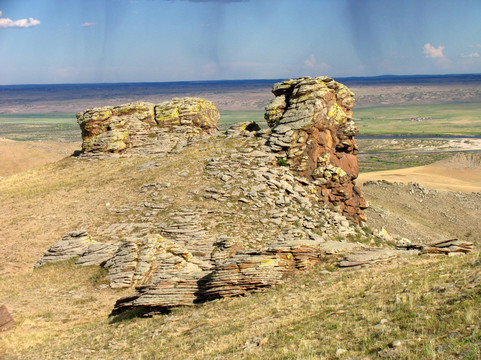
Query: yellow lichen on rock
x=140 y=125
x=336 y=114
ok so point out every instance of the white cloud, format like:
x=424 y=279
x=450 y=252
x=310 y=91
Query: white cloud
x=22 y=23
x=477 y=46
x=433 y=52
x=311 y=63
x=473 y=55
x=87 y=24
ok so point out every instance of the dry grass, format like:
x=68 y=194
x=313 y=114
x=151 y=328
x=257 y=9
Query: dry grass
x=16 y=157
x=430 y=304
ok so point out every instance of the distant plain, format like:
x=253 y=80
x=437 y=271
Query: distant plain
x=403 y=121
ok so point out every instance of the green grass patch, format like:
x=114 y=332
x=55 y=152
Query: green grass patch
x=40 y=127
x=444 y=119
x=228 y=118
x=57 y=118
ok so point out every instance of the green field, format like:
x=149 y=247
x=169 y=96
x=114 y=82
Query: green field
x=376 y=154
x=427 y=120
x=445 y=119
x=228 y=118
x=40 y=127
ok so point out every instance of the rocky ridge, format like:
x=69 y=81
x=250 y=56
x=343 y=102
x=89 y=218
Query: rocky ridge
x=250 y=214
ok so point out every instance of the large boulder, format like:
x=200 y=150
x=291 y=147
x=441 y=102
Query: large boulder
x=313 y=133
x=145 y=126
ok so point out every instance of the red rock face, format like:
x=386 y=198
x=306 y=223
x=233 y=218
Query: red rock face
x=313 y=131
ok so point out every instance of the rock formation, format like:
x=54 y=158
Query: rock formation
x=313 y=132
x=286 y=214
x=71 y=245
x=145 y=126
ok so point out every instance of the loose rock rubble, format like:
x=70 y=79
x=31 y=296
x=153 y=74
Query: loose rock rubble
x=446 y=247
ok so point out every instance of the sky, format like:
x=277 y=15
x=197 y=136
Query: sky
x=96 y=41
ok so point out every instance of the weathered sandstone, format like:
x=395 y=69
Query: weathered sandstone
x=153 y=128
x=313 y=133
x=271 y=201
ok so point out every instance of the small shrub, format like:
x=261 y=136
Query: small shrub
x=282 y=162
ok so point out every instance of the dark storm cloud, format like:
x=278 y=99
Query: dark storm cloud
x=377 y=26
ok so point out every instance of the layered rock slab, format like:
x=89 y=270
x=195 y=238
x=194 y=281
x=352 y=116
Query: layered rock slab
x=71 y=245
x=313 y=133
x=146 y=127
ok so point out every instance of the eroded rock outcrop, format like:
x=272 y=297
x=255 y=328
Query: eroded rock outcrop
x=313 y=132
x=146 y=127
x=71 y=245
x=252 y=220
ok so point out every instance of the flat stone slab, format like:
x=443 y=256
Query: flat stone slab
x=71 y=245
x=337 y=247
x=97 y=254
x=369 y=256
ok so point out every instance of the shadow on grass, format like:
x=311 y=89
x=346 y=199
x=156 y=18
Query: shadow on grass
x=138 y=312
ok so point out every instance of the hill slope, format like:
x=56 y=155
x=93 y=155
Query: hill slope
x=62 y=310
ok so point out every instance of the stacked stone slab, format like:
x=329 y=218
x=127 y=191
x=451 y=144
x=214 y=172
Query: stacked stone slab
x=144 y=126
x=71 y=245
x=313 y=132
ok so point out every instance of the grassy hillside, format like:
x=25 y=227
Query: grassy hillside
x=429 y=304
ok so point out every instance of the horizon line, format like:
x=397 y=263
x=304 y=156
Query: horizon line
x=234 y=80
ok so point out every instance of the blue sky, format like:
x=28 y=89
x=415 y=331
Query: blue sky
x=82 y=41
